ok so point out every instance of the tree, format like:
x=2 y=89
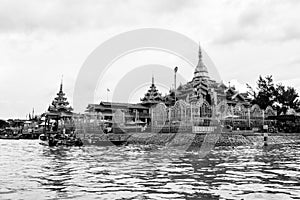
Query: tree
x=266 y=92
x=3 y=124
x=286 y=98
x=279 y=97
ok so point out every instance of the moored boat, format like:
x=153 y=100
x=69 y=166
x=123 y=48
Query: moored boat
x=9 y=134
x=57 y=140
x=10 y=137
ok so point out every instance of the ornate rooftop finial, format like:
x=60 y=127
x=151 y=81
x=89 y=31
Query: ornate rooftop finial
x=61 y=83
x=152 y=79
x=200 y=53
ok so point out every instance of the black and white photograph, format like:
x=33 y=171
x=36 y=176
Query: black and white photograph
x=149 y=100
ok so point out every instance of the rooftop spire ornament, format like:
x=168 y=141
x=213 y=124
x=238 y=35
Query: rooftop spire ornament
x=200 y=52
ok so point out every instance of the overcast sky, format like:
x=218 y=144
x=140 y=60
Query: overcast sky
x=41 y=40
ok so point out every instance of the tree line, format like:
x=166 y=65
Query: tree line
x=279 y=97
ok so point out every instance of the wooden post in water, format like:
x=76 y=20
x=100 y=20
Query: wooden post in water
x=169 y=115
x=191 y=113
x=266 y=139
x=151 y=119
x=249 y=118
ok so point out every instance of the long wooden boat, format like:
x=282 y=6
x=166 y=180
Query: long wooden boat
x=10 y=137
x=101 y=139
x=51 y=139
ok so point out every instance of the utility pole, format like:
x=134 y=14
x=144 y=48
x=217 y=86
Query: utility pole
x=107 y=91
x=175 y=71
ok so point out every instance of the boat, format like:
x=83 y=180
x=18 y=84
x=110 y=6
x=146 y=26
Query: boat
x=10 y=137
x=93 y=130
x=57 y=140
x=30 y=136
x=43 y=140
x=9 y=134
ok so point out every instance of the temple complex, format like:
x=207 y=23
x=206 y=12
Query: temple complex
x=197 y=102
x=201 y=90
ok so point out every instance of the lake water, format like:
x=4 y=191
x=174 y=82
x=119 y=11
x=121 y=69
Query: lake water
x=31 y=171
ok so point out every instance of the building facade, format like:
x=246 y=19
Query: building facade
x=132 y=112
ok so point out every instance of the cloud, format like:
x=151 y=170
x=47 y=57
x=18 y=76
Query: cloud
x=70 y=15
x=49 y=15
x=290 y=33
x=250 y=18
x=162 y=6
x=231 y=36
x=295 y=62
x=40 y=40
x=261 y=21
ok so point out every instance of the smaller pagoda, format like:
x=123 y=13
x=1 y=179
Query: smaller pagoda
x=60 y=109
x=152 y=97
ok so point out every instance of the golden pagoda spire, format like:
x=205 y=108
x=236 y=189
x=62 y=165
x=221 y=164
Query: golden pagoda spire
x=152 y=79
x=61 y=83
x=201 y=69
x=200 y=52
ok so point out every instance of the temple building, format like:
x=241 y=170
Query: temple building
x=203 y=88
x=58 y=116
x=132 y=112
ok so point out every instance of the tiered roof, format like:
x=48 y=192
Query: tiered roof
x=199 y=86
x=60 y=105
x=152 y=96
x=233 y=96
x=201 y=77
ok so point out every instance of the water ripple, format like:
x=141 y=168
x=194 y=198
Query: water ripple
x=31 y=171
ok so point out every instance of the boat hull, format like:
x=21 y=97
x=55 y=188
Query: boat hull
x=9 y=138
x=51 y=141
x=104 y=142
x=104 y=139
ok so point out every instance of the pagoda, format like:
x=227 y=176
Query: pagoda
x=152 y=96
x=60 y=106
x=201 y=78
x=202 y=87
x=198 y=87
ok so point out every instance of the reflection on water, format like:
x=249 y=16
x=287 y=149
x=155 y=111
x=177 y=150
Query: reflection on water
x=31 y=171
